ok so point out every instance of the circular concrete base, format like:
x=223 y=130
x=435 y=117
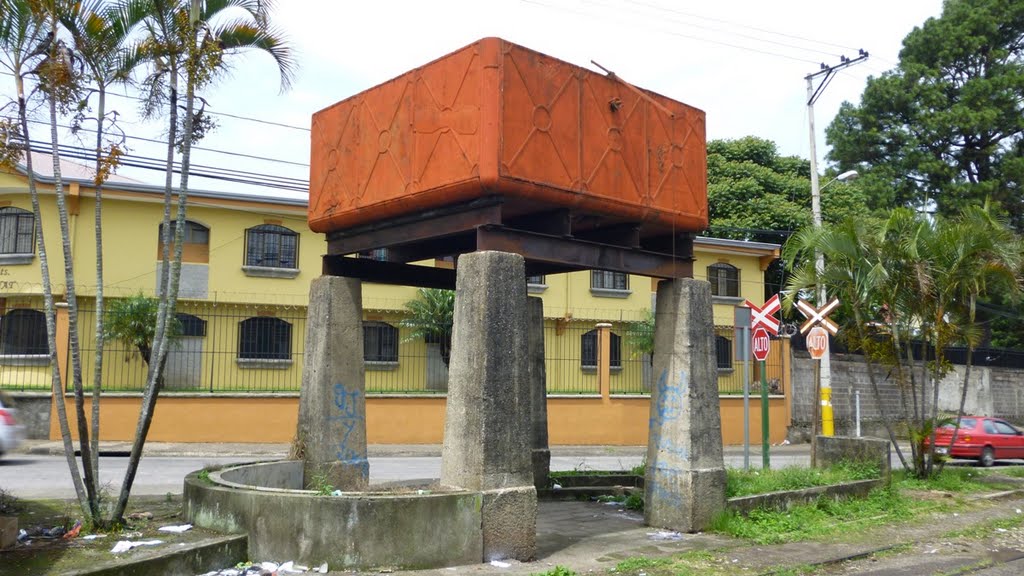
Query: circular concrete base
x=398 y=527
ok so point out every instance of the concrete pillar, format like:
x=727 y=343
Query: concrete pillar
x=332 y=402
x=488 y=420
x=538 y=394
x=685 y=481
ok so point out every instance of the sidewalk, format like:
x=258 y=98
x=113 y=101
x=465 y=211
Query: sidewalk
x=263 y=450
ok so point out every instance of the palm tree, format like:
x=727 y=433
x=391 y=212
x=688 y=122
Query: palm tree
x=977 y=256
x=27 y=41
x=101 y=32
x=910 y=278
x=189 y=40
x=431 y=317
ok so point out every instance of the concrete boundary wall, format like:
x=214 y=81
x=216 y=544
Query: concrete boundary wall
x=572 y=420
x=991 y=392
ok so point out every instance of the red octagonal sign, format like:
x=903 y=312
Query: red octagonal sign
x=760 y=344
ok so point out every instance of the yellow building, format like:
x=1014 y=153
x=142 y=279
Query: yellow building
x=248 y=262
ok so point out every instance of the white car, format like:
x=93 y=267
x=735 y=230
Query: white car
x=11 y=433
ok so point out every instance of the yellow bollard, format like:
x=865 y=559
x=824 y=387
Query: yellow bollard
x=827 y=424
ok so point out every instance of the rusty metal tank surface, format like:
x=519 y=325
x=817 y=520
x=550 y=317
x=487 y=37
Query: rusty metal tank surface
x=495 y=118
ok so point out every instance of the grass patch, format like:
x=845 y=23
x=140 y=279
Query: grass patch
x=952 y=479
x=1015 y=471
x=757 y=481
x=692 y=563
x=826 y=517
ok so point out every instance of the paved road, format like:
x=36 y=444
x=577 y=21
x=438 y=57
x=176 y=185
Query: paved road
x=46 y=476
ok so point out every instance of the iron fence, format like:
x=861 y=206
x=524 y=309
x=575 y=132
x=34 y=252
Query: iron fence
x=245 y=348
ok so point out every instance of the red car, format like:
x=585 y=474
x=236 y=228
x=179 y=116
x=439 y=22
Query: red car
x=981 y=438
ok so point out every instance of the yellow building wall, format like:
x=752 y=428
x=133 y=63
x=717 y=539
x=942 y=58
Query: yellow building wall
x=131 y=224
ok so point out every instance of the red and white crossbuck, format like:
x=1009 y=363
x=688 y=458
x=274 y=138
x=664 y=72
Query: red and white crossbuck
x=764 y=316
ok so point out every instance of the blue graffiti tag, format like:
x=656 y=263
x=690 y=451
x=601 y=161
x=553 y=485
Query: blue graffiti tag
x=669 y=399
x=349 y=416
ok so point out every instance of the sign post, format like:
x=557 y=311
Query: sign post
x=817 y=329
x=765 y=325
x=741 y=322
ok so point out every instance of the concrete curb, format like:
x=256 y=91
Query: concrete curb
x=196 y=558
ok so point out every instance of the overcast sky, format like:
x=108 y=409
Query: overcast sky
x=741 y=61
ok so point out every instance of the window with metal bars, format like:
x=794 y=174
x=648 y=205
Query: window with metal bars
x=723 y=353
x=724 y=279
x=380 y=342
x=604 y=280
x=17 y=231
x=23 y=332
x=264 y=338
x=588 y=350
x=271 y=246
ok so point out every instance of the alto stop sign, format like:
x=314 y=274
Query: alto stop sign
x=817 y=342
x=760 y=344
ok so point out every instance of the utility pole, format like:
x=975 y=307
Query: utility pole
x=825 y=74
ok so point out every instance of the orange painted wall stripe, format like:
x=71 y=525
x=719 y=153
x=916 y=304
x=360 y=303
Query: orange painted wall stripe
x=618 y=421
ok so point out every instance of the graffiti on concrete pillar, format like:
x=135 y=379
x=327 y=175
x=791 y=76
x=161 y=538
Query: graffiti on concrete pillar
x=669 y=399
x=350 y=412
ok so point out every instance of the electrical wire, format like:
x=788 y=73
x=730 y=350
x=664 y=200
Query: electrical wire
x=681 y=35
x=196 y=170
x=723 y=30
x=164 y=143
x=211 y=112
x=739 y=25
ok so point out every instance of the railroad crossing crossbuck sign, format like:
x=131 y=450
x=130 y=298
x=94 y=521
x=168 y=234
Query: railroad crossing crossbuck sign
x=817 y=316
x=765 y=315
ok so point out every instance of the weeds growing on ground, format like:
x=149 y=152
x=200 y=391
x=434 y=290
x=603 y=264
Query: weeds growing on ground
x=9 y=504
x=759 y=481
x=691 y=563
x=825 y=517
x=963 y=480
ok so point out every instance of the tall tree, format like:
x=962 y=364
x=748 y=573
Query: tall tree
x=945 y=126
x=101 y=33
x=26 y=41
x=189 y=42
x=754 y=193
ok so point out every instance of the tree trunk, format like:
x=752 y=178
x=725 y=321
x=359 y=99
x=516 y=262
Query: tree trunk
x=72 y=300
x=873 y=379
x=57 y=388
x=97 y=384
x=150 y=393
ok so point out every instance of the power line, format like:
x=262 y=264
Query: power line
x=164 y=143
x=195 y=170
x=681 y=35
x=738 y=25
x=726 y=31
x=212 y=112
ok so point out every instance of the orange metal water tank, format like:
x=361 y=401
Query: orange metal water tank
x=495 y=118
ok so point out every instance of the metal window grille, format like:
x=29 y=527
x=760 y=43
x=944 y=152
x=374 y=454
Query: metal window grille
x=588 y=347
x=271 y=246
x=23 y=332
x=16 y=231
x=264 y=337
x=538 y=279
x=724 y=279
x=380 y=342
x=604 y=280
x=723 y=352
